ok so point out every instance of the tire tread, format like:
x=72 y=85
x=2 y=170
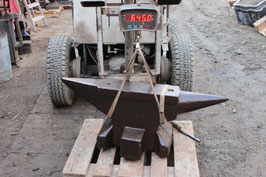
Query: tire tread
x=182 y=54
x=57 y=61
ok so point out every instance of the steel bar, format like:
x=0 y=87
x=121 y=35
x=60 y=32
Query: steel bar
x=177 y=127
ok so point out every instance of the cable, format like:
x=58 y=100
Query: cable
x=94 y=58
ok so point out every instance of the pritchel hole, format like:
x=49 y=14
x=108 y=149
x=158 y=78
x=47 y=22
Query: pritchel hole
x=109 y=83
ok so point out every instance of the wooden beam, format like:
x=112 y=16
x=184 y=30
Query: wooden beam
x=104 y=164
x=158 y=166
x=129 y=168
x=186 y=164
x=80 y=157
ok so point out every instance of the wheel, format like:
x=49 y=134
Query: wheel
x=181 y=55
x=165 y=70
x=57 y=66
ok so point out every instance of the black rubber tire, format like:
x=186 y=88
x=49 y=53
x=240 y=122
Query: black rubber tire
x=181 y=55
x=57 y=66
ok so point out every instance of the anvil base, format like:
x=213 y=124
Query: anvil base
x=131 y=140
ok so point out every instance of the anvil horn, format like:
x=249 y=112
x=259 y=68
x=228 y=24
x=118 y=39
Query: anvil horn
x=189 y=101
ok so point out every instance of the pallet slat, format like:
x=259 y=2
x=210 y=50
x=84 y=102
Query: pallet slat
x=186 y=163
x=146 y=171
x=91 y=170
x=50 y=13
x=80 y=157
x=128 y=168
x=158 y=166
x=104 y=164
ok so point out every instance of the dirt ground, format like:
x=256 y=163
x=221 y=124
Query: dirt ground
x=230 y=60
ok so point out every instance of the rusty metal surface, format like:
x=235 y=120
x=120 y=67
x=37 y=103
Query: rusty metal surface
x=105 y=136
x=137 y=108
x=131 y=143
x=164 y=139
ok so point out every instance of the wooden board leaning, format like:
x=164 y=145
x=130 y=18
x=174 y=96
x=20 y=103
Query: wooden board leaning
x=260 y=26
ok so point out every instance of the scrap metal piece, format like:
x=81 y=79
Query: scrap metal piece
x=137 y=108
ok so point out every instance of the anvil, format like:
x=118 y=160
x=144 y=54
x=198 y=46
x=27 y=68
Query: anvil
x=135 y=124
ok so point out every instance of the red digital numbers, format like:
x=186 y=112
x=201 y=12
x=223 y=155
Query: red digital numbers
x=149 y=17
x=139 y=18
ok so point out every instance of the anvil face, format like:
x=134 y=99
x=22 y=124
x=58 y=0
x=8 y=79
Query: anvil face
x=135 y=124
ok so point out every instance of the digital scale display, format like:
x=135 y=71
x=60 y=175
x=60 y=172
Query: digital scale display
x=139 y=18
x=143 y=18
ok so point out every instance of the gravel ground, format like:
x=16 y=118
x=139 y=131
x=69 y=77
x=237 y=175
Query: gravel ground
x=230 y=60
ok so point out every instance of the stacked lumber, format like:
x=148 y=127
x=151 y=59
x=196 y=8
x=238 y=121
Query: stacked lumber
x=85 y=160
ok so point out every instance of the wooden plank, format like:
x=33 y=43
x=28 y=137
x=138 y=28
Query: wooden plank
x=146 y=171
x=81 y=154
x=115 y=170
x=129 y=168
x=50 y=13
x=158 y=166
x=104 y=164
x=186 y=164
x=91 y=170
x=170 y=171
x=260 y=26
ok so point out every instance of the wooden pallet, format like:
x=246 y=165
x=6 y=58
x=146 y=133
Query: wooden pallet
x=50 y=13
x=85 y=160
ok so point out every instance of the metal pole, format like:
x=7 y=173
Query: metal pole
x=158 y=44
x=84 y=68
x=99 y=41
x=129 y=36
x=19 y=32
